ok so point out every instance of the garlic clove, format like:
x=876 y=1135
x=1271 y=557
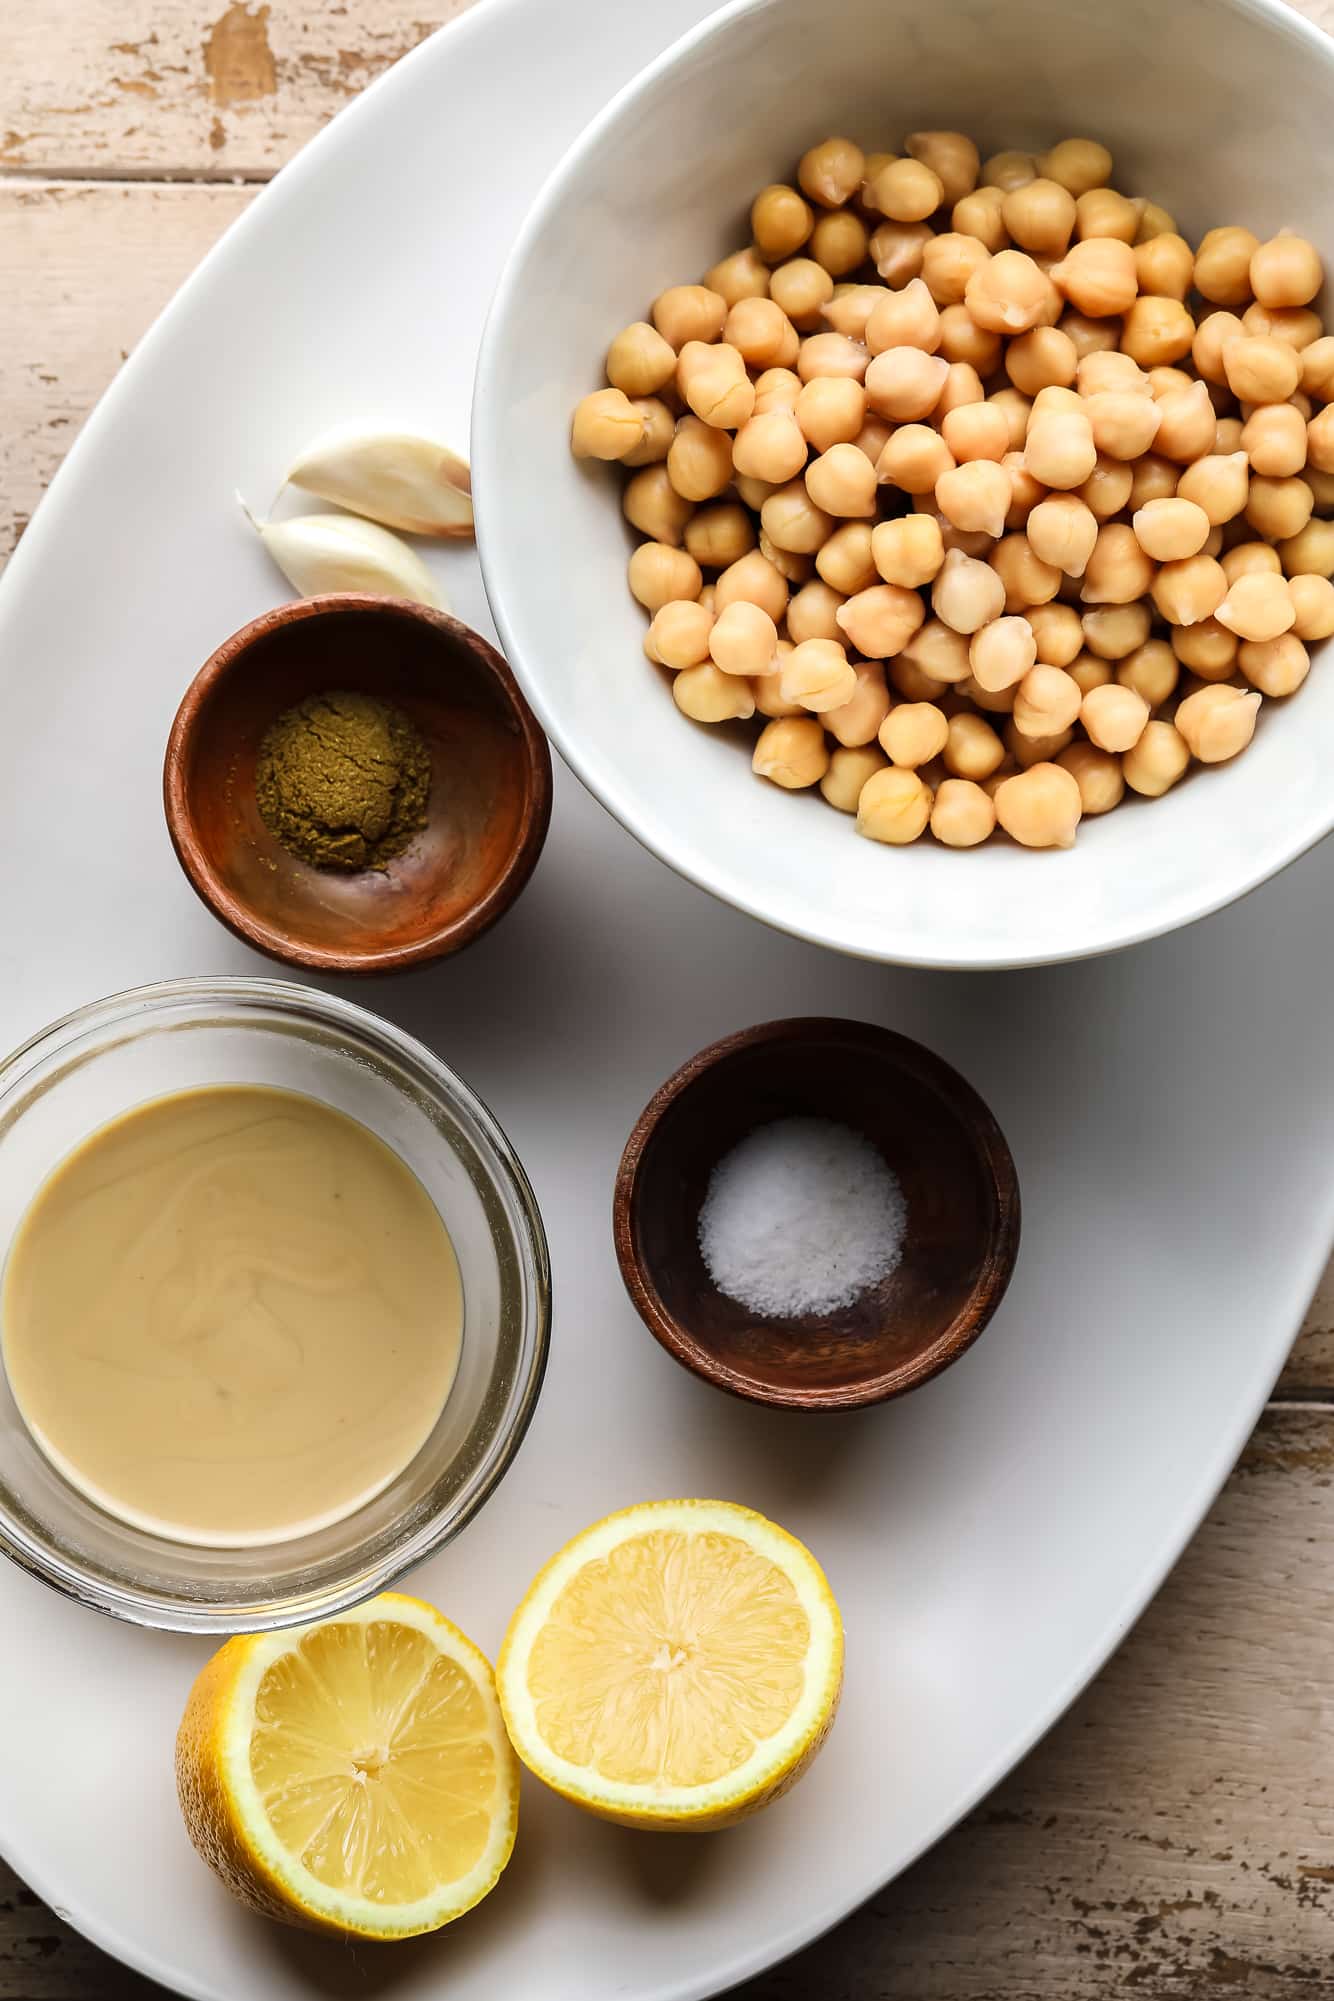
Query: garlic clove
x=339 y=552
x=405 y=482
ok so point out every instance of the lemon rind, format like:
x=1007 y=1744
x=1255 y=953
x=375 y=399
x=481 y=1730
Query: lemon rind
x=774 y=1761
x=289 y=1878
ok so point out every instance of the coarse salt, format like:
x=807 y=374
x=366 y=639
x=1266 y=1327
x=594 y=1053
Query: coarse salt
x=802 y=1216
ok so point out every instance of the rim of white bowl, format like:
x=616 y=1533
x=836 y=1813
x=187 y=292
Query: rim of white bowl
x=611 y=787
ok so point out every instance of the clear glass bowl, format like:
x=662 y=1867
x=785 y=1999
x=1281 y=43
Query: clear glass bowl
x=94 y=1065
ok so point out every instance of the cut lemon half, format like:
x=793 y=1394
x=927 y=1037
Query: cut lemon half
x=353 y=1776
x=677 y=1665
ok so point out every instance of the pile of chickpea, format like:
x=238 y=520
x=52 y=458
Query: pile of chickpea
x=1030 y=515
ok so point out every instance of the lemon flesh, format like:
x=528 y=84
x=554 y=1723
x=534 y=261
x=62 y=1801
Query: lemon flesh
x=676 y=1665
x=354 y=1775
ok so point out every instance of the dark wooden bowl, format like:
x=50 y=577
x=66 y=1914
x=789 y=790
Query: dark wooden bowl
x=487 y=815
x=953 y=1165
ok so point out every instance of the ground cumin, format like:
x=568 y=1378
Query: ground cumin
x=342 y=780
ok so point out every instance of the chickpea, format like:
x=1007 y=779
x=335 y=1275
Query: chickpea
x=1027 y=579
x=1079 y=165
x=1258 y=605
x=1102 y=214
x=975 y=496
x=966 y=594
x=1157 y=761
x=908 y=552
x=1299 y=326
x=1189 y=590
x=1001 y=653
x=913 y=733
x=849 y=769
x=1322 y=488
x=1217 y=722
x=845 y=561
x=651 y=504
x=1320 y=440
x=718 y=536
x=743 y=275
x=659 y=430
x=1286 y=271
x=776 y=389
x=1057 y=631
x=699 y=460
x=897 y=248
x=1275 y=666
x=904 y=319
x=1026 y=751
x=962 y=339
x=1010 y=294
x=606 y=425
x=1016 y=410
x=1153 y=478
x=1168 y=530
x=770 y=447
x=906 y=678
x=1090 y=335
x=1165 y=266
x=1114 y=717
x=1223 y=266
x=850 y=308
x=1098 y=277
x=1155 y=221
x=639 y=361
x=1025 y=491
x=1040 y=807
x=762 y=334
x=904 y=384
x=831 y=172
x=1318 y=368
x=962 y=815
x=1279 y=508
x=1212 y=336
x=948 y=262
x=707 y=598
x=952 y=158
x=1106 y=369
x=939 y=654
x=1056 y=401
x=1097 y=774
x=801 y=289
x=1124 y=424
x=708 y=696
x=1059 y=450
x=1042 y=358
x=791 y=752
x=780 y=222
x=1039 y=216
x=1008 y=170
x=1088 y=671
x=1207 y=648
x=979 y=215
x=744 y=640
x=1260 y=370
x=1046 y=702
x=714 y=382
x=842 y=483
x=1062 y=532
x=907 y=191
x=756 y=580
x=1151 y=670
x=1219 y=483
x=914 y=458
x=968 y=541
x=880 y=620
x=797 y=569
x=686 y=313
x=818 y=674
x=830 y=411
x=857 y=721
x=680 y=633
x=972 y=748
x=812 y=613
x=831 y=354
x=1310 y=552
x=1227 y=438
x=792 y=520
x=963 y=388
x=1274 y=439
x=872 y=438
x=1313 y=604
x=839 y=242
x=895 y=806
x=1156 y=330
x=754 y=492
x=1187 y=424
x=767 y=690
x=1113 y=630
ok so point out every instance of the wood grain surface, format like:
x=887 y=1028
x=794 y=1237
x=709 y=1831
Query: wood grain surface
x=1174 y=1835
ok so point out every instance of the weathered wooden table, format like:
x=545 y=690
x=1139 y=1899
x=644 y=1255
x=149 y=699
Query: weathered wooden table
x=1175 y=1833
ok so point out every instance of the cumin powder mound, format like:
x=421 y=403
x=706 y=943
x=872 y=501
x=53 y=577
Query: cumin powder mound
x=342 y=780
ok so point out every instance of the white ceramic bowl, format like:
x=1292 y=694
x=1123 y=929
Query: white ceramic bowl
x=1220 y=109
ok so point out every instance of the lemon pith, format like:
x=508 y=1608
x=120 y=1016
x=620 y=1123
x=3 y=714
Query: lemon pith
x=354 y=1776
x=676 y=1665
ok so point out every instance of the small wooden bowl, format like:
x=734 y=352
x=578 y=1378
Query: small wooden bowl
x=489 y=806
x=953 y=1165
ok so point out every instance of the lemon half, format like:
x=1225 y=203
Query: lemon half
x=677 y=1665
x=353 y=1776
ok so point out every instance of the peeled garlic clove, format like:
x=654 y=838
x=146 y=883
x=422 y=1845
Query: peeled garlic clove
x=409 y=483
x=338 y=552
